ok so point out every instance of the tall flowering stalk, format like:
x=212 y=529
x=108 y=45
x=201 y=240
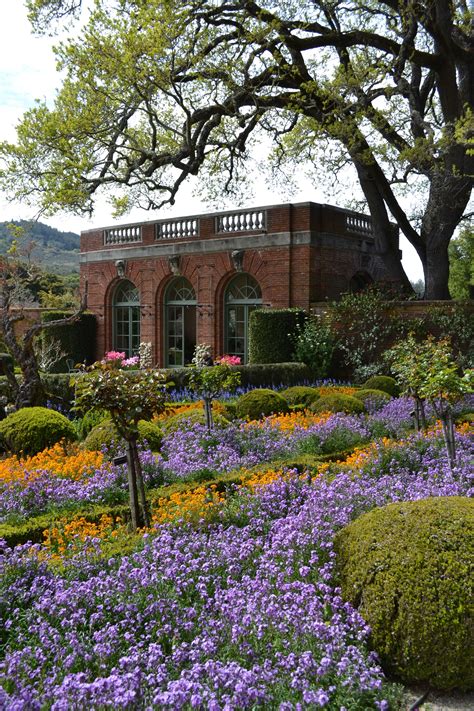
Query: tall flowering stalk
x=129 y=396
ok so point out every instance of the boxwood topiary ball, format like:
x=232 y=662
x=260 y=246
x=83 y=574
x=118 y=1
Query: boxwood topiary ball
x=106 y=435
x=408 y=568
x=375 y=399
x=300 y=395
x=32 y=429
x=183 y=420
x=260 y=402
x=337 y=403
x=383 y=382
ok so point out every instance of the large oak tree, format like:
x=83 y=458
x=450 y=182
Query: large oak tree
x=157 y=90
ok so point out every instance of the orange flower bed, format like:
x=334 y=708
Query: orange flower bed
x=70 y=536
x=192 y=505
x=190 y=408
x=72 y=463
x=287 y=422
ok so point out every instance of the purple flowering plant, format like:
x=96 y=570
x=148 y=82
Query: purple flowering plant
x=244 y=614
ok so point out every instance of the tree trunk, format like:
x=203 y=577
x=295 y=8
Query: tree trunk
x=31 y=392
x=386 y=244
x=449 y=196
x=140 y=483
x=132 y=489
x=208 y=411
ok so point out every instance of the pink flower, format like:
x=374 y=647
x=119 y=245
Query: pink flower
x=130 y=362
x=114 y=355
x=229 y=360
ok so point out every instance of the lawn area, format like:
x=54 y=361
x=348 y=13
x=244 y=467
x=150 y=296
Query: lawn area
x=231 y=599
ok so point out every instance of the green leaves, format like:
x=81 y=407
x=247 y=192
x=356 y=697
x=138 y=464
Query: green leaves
x=129 y=395
x=209 y=382
x=427 y=370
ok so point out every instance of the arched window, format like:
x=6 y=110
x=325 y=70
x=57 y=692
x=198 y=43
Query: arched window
x=126 y=318
x=242 y=296
x=180 y=323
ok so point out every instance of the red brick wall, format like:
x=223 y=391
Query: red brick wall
x=293 y=275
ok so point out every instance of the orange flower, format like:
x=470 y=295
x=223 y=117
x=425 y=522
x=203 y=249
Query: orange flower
x=71 y=463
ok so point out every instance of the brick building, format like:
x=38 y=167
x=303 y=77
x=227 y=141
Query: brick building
x=182 y=281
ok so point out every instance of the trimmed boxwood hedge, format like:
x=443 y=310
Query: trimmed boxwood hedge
x=337 y=403
x=407 y=567
x=383 y=382
x=300 y=395
x=32 y=429
x=257 y=375
x=259 y=403
x=271 y=334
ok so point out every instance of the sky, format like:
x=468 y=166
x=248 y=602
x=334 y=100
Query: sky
x=28 y=72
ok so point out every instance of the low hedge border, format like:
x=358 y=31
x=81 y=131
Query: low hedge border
x=32 y=529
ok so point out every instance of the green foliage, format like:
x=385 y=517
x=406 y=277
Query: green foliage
x=6 y=362
x=407 y=567
x=454 y=322
x=259 y=403
x=105 y=435
x=257 y=375
x=314 y=345
x=300 y=395
x=77 y=340
x=383 y=382
x=461 y=264
x=376 y=399
x=362 y=331
x=91 y=419
x=427 y=370
x=129 y=395
x=210 y=382
x=180 y=420
x=272 y=333
x=341 y=439
x=338 y=403
x=31 y=429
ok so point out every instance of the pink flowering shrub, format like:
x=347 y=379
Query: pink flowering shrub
x=228 y=360
x=117 y=358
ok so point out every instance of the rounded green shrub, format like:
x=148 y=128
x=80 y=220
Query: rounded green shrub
x=260 y=402
x=32 y=429
x=151 y=433
x=407 y=567
x=181 y=419
x=102 y=435
x=90 y=420
x=337 y=403
x=383 y=382
x=375 y=398
x=300 y=395
x=105 y=435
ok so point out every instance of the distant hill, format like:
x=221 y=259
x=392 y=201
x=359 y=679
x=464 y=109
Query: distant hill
x=53 y=250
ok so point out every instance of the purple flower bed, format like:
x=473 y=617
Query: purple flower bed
x=192 y=448
x=34 y=496
x=243 y=615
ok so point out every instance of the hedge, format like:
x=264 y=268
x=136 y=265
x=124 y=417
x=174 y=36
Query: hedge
x=32 y=529
x=271 y=334
x=256 y=375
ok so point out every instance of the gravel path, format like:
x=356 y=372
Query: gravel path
x=437 y=701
